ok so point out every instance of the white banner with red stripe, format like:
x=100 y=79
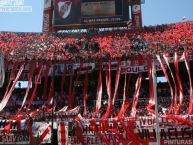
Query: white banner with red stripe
x=62 y=134
x=42 y=131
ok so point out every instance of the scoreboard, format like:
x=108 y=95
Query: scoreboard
x=90 y=12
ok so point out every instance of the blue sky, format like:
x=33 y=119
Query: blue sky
x=154 y=12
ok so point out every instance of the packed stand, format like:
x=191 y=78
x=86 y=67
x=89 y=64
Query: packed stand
x=59 y=46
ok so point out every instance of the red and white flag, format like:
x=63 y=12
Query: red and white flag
x=43 y=131
x=78 y=117
x=62 y=134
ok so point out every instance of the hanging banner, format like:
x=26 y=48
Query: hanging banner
x=99 y=90
x=21 y=138
x=62 y=134
x=143 y=129
x=132 y=131
x=126 y=66
x=141 y=68
x=46 y=71
x=42 y=131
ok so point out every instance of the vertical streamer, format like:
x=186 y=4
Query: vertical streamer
x=46 y=80
x=126 y=102
x=35 y=87
x=2 y=70
x=187 y=62
x=31 y=68
x=72 y=99
x=70 y=92
x=136 y=96
x=99 y=90
x=151 y=85
x=180 y=88
x=108 y=85
x=63 y=80
x=85 y=93
x=111 y=100
x=50 y=95
x=175 y=86
x=108 y=81
x=168 y=80
x=6 y=98
x=12 y=76
x=117 y=81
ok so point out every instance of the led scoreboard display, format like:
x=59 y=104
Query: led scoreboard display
x=90 y=12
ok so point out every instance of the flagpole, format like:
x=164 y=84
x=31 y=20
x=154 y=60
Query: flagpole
x=156 y=102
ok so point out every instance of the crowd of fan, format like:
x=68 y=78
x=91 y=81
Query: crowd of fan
x=57 y=46
x=50 y=46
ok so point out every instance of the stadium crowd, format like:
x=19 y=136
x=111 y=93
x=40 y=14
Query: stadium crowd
x=57 y=46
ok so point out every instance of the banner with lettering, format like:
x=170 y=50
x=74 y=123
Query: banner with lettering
x=132 y=131
x=21 y=138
